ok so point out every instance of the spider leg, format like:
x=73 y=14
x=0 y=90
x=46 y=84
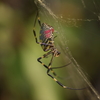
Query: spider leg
x=62 y=66
x=50 y=69
x=39 y=21
x=34 y=28
x=35 y=32
x=66 y=87
x=37 y=17
x=39 y=59
x=55 y=36
x=49 y=66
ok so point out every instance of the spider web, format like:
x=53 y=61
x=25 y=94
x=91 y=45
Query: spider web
x=61 y=21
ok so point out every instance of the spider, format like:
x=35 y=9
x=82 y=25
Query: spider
x=47 y=43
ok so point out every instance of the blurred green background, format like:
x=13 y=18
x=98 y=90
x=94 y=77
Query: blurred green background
x=21 y=76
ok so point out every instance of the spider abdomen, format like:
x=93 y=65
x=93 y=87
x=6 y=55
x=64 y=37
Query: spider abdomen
x=45 y=34
x=46 y=31
x=46 y=37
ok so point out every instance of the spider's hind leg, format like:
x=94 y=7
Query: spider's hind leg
x=50 y=69
x=49 y=66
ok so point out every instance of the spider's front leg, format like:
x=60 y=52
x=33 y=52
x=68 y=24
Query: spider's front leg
x=39 y=22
